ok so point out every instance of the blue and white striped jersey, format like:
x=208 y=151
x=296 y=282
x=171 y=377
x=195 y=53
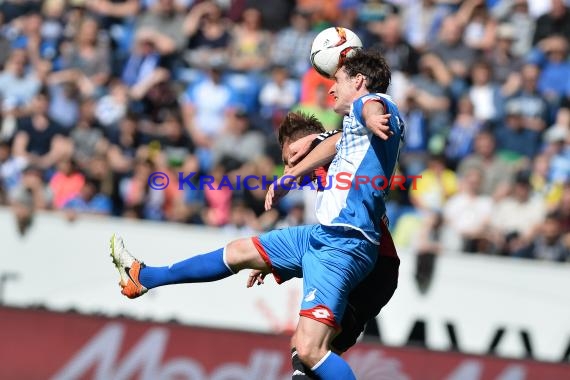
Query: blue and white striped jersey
x=361 y=156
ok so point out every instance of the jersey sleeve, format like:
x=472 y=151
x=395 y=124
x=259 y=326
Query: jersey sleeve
x=358 y=105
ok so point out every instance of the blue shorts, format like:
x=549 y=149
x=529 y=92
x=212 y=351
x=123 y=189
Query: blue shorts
x=331 y=261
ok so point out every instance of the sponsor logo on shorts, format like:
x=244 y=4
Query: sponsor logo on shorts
x=321 y=313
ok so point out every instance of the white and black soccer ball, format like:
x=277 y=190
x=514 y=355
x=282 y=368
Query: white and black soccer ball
x=331 y=47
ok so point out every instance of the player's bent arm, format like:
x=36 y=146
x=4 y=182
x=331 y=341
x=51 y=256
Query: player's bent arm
x=300 y=148
x=375 y=119
x=321 y=155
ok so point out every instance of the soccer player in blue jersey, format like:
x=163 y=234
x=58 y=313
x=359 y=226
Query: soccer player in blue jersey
x=374 y=292
x=332 y=257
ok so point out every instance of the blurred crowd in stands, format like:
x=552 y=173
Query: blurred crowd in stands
x=98 y=94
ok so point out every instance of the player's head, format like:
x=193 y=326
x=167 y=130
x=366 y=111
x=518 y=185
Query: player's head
x=372 y=66
x=362 y=73
x=295 y=126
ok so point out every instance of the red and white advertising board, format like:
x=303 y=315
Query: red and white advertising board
x=57 y=346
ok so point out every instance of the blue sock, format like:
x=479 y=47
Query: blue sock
x=332 y=367
x=202 y=268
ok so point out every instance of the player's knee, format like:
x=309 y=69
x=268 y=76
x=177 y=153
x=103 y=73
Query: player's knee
x=242 y=254
x=310 y=354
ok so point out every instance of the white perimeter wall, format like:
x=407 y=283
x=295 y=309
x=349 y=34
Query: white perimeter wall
x=66 y=265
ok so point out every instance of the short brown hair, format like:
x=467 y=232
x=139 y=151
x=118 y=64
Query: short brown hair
x=373 y=66
x=298 y=124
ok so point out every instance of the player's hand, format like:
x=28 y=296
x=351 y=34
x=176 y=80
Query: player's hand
x=300 y=148
x=278 y=190
x=256 y=276
x=378 y=124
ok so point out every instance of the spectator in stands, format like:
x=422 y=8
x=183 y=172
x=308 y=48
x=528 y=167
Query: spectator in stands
x=310 y=83
x=30 y=196
x=66 y=183
x=89 y=201
x=451 y=49
x=563 y=209
x=478 y=24
x=242 y=220
x=467 y=214
x=322 y=12
x=292 y=44
x=516 y=217
x=86 y=61
x=555 y=22
x=532 y=105
x=112 y=14
x=4 y=47
x=485 y=94
x=415 y=150
x=497 y=172
x=254 y=197
x=430 y=90
x=461 y=137
x=99 y=170
x=551 y=56
x=320 y=108
x=218 y=198
x=558 y=150
x=506 y=66
x=295 y=216
x=188 y=207
x=549 y=243
x=165 y=26
x=12 y=9
x=516 y=13
x=238 y=141
x=64 y=102
x=112 y=107
x=26 y=35
x=138 y=199
x=250 y=44
x=209 y=35
x=206 y=105
x=542 y=183
x=88 y=139
x=436 y=186
x=146 y=69
x=422 y=22
x=124 y=144
x=516 y=138
x=174 y=140
x=11 y=168
x=19 y=83
x=277 y=96
x=276 y=14
x=400 y=55
x=39 y=140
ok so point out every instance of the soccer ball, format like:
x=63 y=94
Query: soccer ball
x=331 y=47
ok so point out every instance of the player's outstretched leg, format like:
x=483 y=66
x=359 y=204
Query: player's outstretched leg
x=129 y=268
x=137 y=278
